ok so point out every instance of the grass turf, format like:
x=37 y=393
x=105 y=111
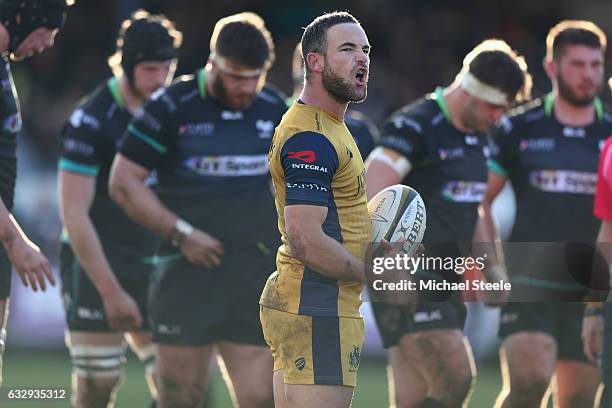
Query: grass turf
x=33 y=368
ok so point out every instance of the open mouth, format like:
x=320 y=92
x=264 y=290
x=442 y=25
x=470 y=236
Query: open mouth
x=361 y=75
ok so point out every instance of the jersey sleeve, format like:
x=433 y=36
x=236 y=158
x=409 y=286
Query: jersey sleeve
x=404 y=135
x=603 y=190
x=309 y=162
x=505 y=149
x=148 y=136
x=80 y=144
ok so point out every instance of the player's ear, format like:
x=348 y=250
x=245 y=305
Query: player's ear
x=315 y=61
x=550 y=67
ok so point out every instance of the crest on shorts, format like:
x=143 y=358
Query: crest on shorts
x=354 y=357
x=300 y=363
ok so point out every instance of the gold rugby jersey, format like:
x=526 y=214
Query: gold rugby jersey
x=314 y=160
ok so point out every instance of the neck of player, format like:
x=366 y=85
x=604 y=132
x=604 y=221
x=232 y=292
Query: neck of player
x=454 y=98
x=314 y=94
x=133 y=100
x=572 y=115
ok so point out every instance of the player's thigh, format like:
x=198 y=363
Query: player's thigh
x=529 y=358
x=280 y=399
x=329 y=396
x=577 y=383
x=436 y=354
x=406 y=385
x=249 y=368
x=140 y=341
x=314 y=349
x=183 y=366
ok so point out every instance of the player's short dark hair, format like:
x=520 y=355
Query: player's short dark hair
x=496 y=64
x=244 y=39
x=314 y=38
x=574 y=32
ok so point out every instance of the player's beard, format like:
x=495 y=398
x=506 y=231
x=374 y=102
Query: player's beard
x=341 y=89
x=226 y=99
x=569 y=95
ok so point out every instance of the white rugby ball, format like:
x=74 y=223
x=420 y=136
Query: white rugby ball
x=395 y=212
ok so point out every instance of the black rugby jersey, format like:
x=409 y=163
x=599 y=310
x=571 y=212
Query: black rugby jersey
x=363 y=131
x=88 y=147
x=448 y=166
x=10 y=125
x=211 y=162
x=553 y=170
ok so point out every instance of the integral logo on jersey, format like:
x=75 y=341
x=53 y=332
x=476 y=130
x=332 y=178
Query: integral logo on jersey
x=232 y=115
x=197 y=129
x=569 y=131
x=563 y=181
x=308 y=156
x=265 y=128
x=464 y=191
x=354 y=358
x=449 y=154
x=300 y=363
x=229 y=166
x=313 y=167
x=537 y=145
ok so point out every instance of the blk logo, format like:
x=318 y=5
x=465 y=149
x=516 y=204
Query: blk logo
x=307 y=156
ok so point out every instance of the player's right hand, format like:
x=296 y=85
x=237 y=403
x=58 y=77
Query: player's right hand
x=122 y=313
x=31 y=265
x=202 y=249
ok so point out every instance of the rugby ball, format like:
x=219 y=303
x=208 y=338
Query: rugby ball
x=395 y=212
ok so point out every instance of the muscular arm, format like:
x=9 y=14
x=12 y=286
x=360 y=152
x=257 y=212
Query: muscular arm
x=77 y=192
x=127 y=188
x=317 y=250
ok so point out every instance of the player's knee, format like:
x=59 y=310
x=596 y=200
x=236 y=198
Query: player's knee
x=528 y=388
x=452 y=386
x=98 y=370
x=180 y=392
x=97 y=391
x=581 y=399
